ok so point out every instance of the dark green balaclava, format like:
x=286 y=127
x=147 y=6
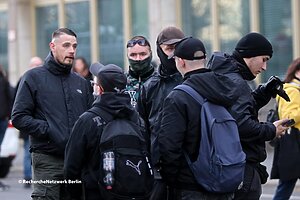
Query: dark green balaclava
x=141 y=67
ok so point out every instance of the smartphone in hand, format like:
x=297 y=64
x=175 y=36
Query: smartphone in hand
x=288 y=123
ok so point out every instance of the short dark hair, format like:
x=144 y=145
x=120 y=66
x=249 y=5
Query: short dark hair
x=61 y=31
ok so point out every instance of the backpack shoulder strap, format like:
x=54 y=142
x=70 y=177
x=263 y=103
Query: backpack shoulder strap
x=107 y=118
x=102 y=113
x=191 y=91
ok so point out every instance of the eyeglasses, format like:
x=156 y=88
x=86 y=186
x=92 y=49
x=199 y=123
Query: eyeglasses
x=141 y=42
x=93 y=83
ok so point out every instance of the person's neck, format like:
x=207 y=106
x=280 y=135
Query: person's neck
x=195 y=71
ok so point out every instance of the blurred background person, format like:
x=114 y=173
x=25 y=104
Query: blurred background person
x=139 y=56
x=6 y=104
x=286 y=160
x=82 y=68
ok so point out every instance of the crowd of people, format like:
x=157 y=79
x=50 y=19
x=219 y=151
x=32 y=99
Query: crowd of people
x=53 y=98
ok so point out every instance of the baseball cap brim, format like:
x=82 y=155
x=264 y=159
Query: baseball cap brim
x=172 y=41
x=95 y=68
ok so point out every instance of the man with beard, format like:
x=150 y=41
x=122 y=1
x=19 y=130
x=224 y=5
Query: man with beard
x=49 y=100
x=139 y=56
x=153 y=93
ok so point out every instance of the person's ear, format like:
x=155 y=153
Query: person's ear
x=51 y=45
x=182 y=62
x=101 y=90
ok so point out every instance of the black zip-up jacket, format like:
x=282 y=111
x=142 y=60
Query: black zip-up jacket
x=82 y=160
x=149 y=105
x=253 y=133
x=49 y=100
x=180 y=126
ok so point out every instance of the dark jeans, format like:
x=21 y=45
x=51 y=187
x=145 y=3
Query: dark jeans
x=196 y=195
x=251 y=189
x=285 y=189
x=27 y=160
x=47 y=172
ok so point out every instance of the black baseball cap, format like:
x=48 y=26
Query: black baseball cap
x=95 y=68
x=111 y=77
x=187 y=48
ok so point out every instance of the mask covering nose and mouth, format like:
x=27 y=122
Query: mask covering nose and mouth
x=168 y=66
x=141 y=67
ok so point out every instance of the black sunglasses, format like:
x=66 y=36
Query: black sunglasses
x=141 y=42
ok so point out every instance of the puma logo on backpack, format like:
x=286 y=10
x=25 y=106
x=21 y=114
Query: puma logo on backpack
x=221 y=161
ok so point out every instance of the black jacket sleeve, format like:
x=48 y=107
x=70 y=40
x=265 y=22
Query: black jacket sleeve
x=171 y=139
x=245 y=111
x=25 y=115
x=75 y=157
x=142 y=109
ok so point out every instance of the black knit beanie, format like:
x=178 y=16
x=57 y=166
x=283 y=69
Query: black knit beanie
x=254 y=44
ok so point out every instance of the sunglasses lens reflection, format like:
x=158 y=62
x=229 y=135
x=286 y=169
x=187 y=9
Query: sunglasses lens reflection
x=141 y=42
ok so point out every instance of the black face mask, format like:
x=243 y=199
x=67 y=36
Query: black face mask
x=168 y=66
x=140 y=67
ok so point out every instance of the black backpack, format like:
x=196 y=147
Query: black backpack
x=132 y=176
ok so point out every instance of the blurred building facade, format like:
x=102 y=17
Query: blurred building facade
x=104 y=26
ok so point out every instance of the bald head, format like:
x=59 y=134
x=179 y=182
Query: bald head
x=35 y=61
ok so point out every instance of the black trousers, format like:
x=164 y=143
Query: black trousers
x=159 y=191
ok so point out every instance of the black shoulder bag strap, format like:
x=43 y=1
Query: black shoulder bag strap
x=101 y=113
x=107 y=118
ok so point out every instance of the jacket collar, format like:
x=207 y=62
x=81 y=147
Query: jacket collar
x=144 y=76
x=55 y=67
x=242 y=67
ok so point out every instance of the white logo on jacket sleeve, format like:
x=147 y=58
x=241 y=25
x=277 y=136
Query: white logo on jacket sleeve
x=79 y=91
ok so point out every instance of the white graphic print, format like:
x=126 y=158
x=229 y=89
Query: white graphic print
x=132 y=97
x=136 y=167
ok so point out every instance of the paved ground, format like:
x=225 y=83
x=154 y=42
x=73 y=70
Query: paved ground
x=18 y=192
